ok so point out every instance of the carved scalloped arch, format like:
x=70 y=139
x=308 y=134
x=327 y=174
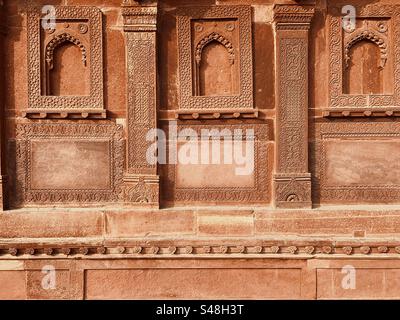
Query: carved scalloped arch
x=58 y=40
x=371 y=36
x=214 y=36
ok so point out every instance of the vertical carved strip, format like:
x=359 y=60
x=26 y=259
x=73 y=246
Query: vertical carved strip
x=292 y=179
x=141 y=183
x=2 y=106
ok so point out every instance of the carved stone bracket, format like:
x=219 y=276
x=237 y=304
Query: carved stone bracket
x=141 y=182
x=292 y=180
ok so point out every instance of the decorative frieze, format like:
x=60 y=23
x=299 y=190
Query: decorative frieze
x=178 y=249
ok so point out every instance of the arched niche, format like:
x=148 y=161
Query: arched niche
x=367 y=69
x=215 y=67
x=66 y=67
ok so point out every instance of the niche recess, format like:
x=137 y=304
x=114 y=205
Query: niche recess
x=215 y=58
x=367 y=69
x=362 y=60
x=65 y=63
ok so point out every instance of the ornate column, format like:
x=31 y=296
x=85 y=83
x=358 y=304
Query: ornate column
x=141 y=182
x=3 y=178
x=292 y=179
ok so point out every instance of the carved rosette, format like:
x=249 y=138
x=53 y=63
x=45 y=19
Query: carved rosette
x=292 y=180
x=141 y=183
x=293 y=191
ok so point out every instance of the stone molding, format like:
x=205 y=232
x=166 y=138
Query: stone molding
x=185 y=249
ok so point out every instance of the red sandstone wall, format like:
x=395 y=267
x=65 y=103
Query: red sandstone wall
x=116 y=243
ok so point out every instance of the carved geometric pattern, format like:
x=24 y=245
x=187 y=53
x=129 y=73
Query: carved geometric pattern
x=258 y=193
x=187 y=58
x=141 y=56
x=292 y=114
x=141 y=183
x=339 y=50
x=142 y=190
x=28 y=132
x=93 y=55
x=292 y=182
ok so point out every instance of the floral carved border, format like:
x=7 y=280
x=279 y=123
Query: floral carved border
x=37 y=101
x=245 y=98
x=337 y=56
x=259 y=193
x=26 y=132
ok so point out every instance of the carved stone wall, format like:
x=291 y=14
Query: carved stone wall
x=313 y=105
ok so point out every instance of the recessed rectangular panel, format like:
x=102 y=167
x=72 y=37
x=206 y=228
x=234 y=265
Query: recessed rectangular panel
x=61 y=164
x=360 y=162
x=221 y=165
x=193 y=284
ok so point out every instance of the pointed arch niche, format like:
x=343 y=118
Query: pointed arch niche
x=67 y=73
x=216 y=72
x=215 y=59
x=366 y=66
x=363 y=61
x=65 y=63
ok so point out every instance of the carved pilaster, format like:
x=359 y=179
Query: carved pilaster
x=141 y=182
x=292 y=180
x=3 y=178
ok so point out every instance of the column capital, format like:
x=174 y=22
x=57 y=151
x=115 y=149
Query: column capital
x=138 y=17
x=293 y=16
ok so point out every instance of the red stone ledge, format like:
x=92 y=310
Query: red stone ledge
x=255 y=223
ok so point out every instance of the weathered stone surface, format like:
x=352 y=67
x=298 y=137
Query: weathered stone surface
x=318 y=104
x=193 y=284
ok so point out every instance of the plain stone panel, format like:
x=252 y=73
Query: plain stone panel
x=193 y=284
x=369 y=284
x=39 y=224
x=217 y=223
x=130 y=224
x=12 y=285
x=38 y=288
x=70 y=165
